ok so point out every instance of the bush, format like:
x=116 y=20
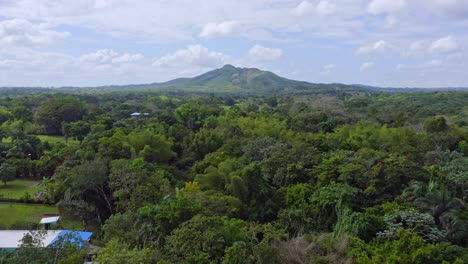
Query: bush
x=407 y=248
x=26 y=198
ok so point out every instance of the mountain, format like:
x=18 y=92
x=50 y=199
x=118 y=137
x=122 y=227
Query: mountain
x=230 y=79
x=233 y=80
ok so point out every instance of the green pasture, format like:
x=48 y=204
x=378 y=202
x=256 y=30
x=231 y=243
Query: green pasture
x=17 y=189
x=11 y=213
x=51 y=139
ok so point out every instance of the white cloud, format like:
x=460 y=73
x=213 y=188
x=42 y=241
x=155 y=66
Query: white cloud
x=100 y=56
x=109 y=56
x=260 y=53
x=366 y=66
x=444 y=45
x=20 y=58
x=381 y=27
x=102 y=3
x=304 y=8
x=196 y=55
x=27 y=67
x=20 y=32
x=326 y=69
x=391 y=21
x=400 y=67
x=127 y=58
x=451 y=9
x=377 y=47
x=417 y=46
x=431 y=64
x=211 y=30
x=323 y=8
x=385 y=6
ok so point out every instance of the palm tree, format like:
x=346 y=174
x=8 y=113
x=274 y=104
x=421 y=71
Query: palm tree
x=449 y=212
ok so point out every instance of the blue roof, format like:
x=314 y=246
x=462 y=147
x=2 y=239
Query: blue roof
x=73 y=237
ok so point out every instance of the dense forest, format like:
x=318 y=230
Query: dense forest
x=341 y=177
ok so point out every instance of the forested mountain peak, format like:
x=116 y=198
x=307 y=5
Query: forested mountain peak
x=234 y=80
x=231 y=79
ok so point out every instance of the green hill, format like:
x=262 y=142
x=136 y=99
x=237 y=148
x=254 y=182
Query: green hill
x=230 y=79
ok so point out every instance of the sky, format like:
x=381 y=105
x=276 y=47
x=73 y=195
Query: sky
x=387 y=43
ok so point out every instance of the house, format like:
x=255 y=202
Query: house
x=10 y=239
x=48 y=221
x=137 y=115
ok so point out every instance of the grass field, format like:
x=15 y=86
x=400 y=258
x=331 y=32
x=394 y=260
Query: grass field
x=51 y=139
x=11 y=213
x=16 y=189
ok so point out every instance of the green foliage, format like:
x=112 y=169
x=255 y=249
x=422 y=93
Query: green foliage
x=55 y=110
x=118 y=252
x=435 y=124
x=151 y=147
x=198 y=235
x=193 y=115
x=407 y=248
x=238 y=179
x=412 y=221
x=115 y=147
x=348 y=222
x=133 y=186
x=85 y=190
x=7 y=173
x=263 y=238
x=236 y=254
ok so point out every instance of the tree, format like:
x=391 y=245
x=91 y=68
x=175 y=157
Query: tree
x=198 y=235
x=449 y=212
x=7 y=173
x=86 y=191
x=79 y=130
x=435 y=124
x=116 y=146
x=133 y=186
x=408 y=248
x=55 y=110
x=21 y=112
x=236 y=254
x=119 y=252
x=151 y=147
x=193 y=115
x=412 y=221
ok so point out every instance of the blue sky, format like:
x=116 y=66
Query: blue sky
x=398 y=43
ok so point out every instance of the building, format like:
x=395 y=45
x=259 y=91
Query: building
x=48 y=221
x=137 y=115
x=11 y=239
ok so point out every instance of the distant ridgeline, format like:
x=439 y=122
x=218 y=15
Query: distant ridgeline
x=229 y=80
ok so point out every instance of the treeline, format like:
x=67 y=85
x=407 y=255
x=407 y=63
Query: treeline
x=364 y=178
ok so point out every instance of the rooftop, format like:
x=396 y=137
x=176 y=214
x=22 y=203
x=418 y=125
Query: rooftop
x=12 y=238
x=50 y=220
